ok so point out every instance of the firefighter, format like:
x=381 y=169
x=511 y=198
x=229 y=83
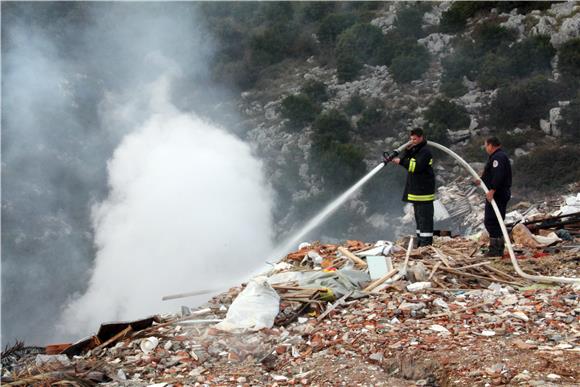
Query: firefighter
x=497 y=176
x=420 y=186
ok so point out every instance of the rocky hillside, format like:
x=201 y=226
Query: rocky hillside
x=326 y=87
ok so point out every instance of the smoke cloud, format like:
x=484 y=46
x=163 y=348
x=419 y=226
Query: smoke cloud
x=111 y=196
x=186 y=211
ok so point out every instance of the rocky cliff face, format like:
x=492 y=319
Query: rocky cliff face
x=288 y=153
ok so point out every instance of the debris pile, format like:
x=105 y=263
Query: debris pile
x=355 y=314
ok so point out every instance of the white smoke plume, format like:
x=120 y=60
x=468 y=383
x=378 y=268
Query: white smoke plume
x=185 y=207
x=187 y=210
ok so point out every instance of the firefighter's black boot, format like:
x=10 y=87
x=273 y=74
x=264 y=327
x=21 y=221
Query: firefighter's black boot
x=496 y=246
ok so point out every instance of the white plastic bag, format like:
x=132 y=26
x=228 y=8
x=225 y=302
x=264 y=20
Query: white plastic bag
x=255 y=308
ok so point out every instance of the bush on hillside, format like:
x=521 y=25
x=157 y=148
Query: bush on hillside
x=569 y=58
x=333 y=25
x=455 y=18
x=355 y=105
x=452 y=88
x=495 y=71
x=491 y=37
x=274 y=12
x=299 y=110
x=271 y=45
x=524 y=103
x=315 y=90
x=531 y=55
x=313 y=11
x=360 y=44
x=328 y=128
x=348 y=66
x=443 y=115
x=409 y=21
x=535 y=171
x=341 y=165
x=363 y=40
x=410 y=64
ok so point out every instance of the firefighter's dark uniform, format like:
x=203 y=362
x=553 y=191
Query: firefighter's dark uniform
x=497 y=175
x=420 y=189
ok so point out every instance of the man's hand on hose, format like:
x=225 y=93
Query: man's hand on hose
x=489 y=195
x=396 y=160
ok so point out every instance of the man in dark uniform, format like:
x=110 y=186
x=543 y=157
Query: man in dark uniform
x=420 y=186
x=497 y=176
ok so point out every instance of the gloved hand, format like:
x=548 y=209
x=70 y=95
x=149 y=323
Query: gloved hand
x=389 y=156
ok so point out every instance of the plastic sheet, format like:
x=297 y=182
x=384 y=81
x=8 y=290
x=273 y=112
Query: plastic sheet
x=255 y=308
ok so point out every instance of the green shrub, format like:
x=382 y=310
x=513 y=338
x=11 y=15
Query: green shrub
x=363 y=40
x=333 y=25
x=299 y=110
x=348 y=66
x=410 y=65
x=448 y=113
x=355 y=105
x=372 y=118
x=315 y=90
x=531 y=55
x=341 y=165
x=496 y=70
x=274 y=12
x=547 y=168
x=328 y=128
x=455 y=18
x=240 y=74
x=358 y=45
x=570 y=121
x=437 y=132
x=271 y=45
x=314 y=11
x=569 y=58
x=510 y=142
x=452 y=88
x=525 y=102
x=490 y=37
x=442 y=115
x=409 y=21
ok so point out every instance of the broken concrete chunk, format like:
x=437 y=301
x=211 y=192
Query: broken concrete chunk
x=417 y=286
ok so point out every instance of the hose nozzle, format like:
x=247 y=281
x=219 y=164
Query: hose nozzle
x=389 y=156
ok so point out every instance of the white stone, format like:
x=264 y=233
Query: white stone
x=417 y=286
x=436 y=43
x=515 y=22
x=519 y=152
x=569 y=29
x=546 y=26
x=520 y=316
x=545 y=126
x=510 y=299
x=488 y=333
x=411 y=305
x=555 y=116
x=440 y=329
x=554 y=377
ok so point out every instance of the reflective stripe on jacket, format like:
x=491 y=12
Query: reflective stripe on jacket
x=418 y=162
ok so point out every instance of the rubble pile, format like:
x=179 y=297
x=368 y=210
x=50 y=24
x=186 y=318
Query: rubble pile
x=354 y=314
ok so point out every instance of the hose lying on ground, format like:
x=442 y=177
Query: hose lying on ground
x=536 y=278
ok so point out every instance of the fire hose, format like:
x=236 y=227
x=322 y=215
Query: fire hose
x=535 y=278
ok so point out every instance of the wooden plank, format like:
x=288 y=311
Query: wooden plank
x=435 y=267
x=339 y=302
x=118 y=336
x=379 y=281
x=357 y=261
